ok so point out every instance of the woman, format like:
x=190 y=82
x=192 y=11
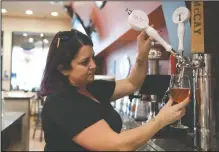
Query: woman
x=77 y=114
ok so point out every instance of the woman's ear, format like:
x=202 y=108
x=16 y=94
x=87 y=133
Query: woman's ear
x=61 y=69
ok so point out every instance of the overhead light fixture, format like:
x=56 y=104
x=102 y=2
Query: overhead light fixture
x=29 y=12
x=4 y=10
x=56 y=2
x=30 y=40
x=54 y=14
x=41 y=35
x=45 y=41
x=25 y=34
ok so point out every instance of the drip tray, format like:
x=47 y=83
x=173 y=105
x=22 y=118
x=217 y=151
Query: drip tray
x=168 y=144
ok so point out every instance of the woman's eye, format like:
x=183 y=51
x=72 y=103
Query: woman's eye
x=85 y=62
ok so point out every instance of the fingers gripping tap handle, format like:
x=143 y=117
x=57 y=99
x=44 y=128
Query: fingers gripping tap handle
x=156 y=36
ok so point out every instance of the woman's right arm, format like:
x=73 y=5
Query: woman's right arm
x=100 y=137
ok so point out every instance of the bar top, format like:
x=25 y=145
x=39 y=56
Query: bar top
x=18 y=95
x=9 y=118
x=157 y=143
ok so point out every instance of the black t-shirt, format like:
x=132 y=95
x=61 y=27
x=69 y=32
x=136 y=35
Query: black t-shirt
x=67 y=113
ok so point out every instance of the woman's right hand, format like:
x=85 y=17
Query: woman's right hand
x=171 y=113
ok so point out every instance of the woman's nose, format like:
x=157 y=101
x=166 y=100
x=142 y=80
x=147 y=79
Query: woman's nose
x=93 y=64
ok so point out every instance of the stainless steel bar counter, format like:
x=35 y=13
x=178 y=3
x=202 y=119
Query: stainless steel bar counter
x=159 y=143
x=12 y=135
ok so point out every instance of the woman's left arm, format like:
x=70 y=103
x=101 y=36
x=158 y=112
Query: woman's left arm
x=137 y=76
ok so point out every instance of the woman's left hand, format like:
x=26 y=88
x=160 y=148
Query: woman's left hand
x=144 y=44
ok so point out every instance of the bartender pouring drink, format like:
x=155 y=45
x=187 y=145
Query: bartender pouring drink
x=77 y=114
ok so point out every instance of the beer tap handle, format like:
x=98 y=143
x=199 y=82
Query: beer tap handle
x=138 y=20
x=180 y=16
x=156 y=36
x=181 y=32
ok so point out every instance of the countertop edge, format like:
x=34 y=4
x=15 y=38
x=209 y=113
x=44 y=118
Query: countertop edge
x=19 y=97
x=17 y=115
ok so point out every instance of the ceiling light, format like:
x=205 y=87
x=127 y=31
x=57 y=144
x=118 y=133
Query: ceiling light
x=45 y=41
x=29 y=12
x=30 y=40
x=25 y=34
x=54 y=14
x=41 y=35
x=4 y=10
x=56 y=2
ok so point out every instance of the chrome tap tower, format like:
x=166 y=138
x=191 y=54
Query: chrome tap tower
x=204 y=104
x=204 y=97
x=205 y=101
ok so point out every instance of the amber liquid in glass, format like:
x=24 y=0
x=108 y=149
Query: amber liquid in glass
x=179 y=94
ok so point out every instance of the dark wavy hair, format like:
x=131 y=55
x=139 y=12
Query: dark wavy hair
x=64 y=47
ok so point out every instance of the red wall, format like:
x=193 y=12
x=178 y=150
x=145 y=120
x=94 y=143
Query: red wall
x=131 y=51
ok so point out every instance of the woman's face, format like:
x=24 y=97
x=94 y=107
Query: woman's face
x=83 y=66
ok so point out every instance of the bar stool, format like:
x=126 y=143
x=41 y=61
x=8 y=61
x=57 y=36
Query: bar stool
x=38 y=124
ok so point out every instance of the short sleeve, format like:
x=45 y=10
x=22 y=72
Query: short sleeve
x=102 y=89
x=71 y=117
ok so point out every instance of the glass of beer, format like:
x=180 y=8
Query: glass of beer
x=179 y=91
